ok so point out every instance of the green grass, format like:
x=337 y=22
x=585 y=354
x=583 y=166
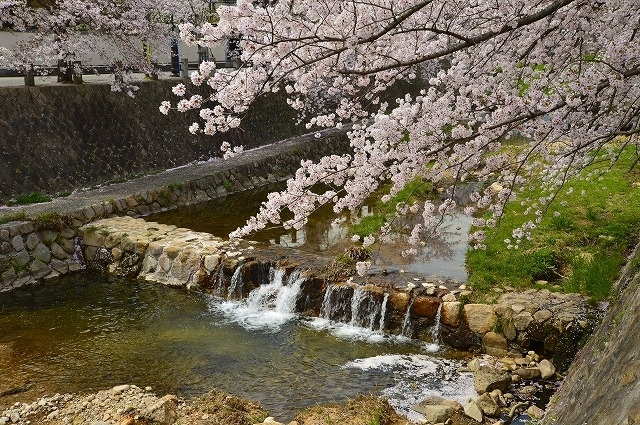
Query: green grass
x=580 y=250
x=32 y=198
x=21 y=215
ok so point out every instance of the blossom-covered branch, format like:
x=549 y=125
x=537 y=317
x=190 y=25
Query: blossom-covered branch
x=561 y=74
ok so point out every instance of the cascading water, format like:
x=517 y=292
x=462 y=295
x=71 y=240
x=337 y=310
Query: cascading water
x=353 y=313
x=268 y=306
x=218 y=289
x=236 y=283
x=435 y=329
x=383 y=312
x=406 y=323
x=337 y=304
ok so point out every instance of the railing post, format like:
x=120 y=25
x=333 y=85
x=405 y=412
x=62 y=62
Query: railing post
x=29 y=77
x=184 y=68
x=77 y=72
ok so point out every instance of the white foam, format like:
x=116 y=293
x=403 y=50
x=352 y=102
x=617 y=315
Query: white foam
x=267 y=307
x=353 y=333
x=251 y=318
x=417 y=377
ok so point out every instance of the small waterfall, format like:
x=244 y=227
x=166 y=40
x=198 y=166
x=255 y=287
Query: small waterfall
x=435 y=329
x=218 y=289
x=288 y=294
x=383 y=311
x=325 y=309
x=354 y=306
x=356 y=300
x=236 y=283
x=268 y=306
x=406 y=324
x=337 y=304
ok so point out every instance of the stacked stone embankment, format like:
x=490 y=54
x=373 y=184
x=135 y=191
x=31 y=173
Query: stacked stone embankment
x=43 y=246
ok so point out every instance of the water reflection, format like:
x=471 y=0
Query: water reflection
x=442 y=255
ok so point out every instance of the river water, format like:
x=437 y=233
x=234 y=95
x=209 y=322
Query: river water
x=90 y=332
x=441 y=256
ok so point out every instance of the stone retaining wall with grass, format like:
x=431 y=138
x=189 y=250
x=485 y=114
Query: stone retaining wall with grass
x=59 y=138
x=43 y=246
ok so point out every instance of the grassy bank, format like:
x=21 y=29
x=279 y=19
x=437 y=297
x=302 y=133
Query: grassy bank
x=579 y=246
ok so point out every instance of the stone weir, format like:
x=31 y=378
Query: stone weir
x=426 y=308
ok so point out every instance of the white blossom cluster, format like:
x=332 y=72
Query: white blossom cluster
x=564 y=75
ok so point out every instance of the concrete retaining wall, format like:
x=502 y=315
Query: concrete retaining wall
x=60 y=138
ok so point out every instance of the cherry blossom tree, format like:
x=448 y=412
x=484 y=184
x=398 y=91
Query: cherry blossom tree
x=561 y=74
x=113 y=31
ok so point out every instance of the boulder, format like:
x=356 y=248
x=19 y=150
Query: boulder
x=528 y=373
x=542 y=315
x=480 y=317
x=522 y=320
x=426 y=306
x=494 y=344
x=487 y=378
x=163 y=411
x=435 y=413
x=547 y=369
x=472 y=410
x=488 y=405
x=450 y=314
x=535 y=412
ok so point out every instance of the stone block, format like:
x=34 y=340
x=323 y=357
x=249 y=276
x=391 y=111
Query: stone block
x=68 y=233
x=68 y=246
x=425 y=307
x=542 y=316
x=488 y=405
x=494 y=344
x=472 y=410
x=450 y=314
x=32 y=241
x=5 y=235
x=38 y=269
x=49 y=236
x=5 y=248
x=487 y=379
x=547 y=370
x=149 y=264
x=528 y=373
x=61 y=267
x=92 y=236
x=88 y=213
x=211 y=262
x=22 y=257
x=26 y=227
x=42 y=253
x=98 y=210
x=522 y=320
x=17 y=243
x=479 y=317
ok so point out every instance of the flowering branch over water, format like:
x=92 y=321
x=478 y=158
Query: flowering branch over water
x=563 y=76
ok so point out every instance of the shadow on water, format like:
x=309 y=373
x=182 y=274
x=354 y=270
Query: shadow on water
x=90 y=332
x=441 y=256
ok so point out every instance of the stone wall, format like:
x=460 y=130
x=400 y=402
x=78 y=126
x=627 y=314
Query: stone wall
x=43 y=247
x=58 y=138
x=603 y=384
